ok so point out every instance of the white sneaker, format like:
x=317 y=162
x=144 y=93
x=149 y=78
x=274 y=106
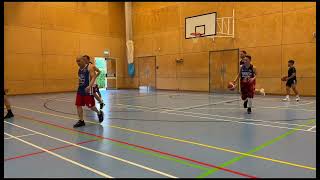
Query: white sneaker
x=297 y=98
x=262 y=92
x=286 y=99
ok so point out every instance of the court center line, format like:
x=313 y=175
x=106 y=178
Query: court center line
x=138 y=146
x=52 y=149
x=166 y=111
x=181 y=140
x=256 y=149
x=62 y=157
x=22 y=136
x=97 y=152
x=241 y=122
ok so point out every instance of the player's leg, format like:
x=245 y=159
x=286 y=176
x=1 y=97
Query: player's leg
x=294 y=88
x=91 y=104
x=79 y=103
x=8 y=107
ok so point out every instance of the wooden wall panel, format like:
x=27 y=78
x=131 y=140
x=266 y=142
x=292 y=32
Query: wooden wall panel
x=194 y=84
x=23 y=67
x=143 y=46
x=23 y=87
x=61 y=18
x=194 y=65
x=60 y=67
x=166 y=66
x=15 y=14
x=253 y=9
x=267 y=61
x=292 y=6
x=60 y=42
x=19 y=39
x=55 y=85
x=298 y=26
x=167 y=43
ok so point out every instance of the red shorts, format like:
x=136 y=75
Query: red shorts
x=247 y=89
x=87 y=100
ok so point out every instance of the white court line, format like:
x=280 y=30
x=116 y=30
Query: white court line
x=311 y=128
x=309 y=110
x=97 y=152
x=183 y=108
x=224 y=117
x=23 y=135
x=61 y=157
x=153 y=110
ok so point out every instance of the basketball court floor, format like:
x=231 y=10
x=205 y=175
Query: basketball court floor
x=161 y=134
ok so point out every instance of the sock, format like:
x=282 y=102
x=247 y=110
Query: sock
x=249 y=102
x=287 y=96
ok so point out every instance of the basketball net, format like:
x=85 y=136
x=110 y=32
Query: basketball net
x=130 y=51
x=195 y=35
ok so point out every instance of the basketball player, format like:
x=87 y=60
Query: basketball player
x=247 y=74
x=96 y=92
x=8 y=106
x=291 y=81
x=242 y=55
x=87 y=77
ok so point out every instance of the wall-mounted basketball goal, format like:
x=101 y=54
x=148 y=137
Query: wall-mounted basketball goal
x=209 y=25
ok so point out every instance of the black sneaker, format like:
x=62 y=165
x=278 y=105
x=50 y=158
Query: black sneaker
x=79 y=124
x=100 y=116
x=245 y=103
x=9 y=115
x=249 y=110
x=101 y=105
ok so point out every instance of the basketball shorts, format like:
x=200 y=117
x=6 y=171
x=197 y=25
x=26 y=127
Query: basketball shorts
x=291 y=82
x=247 y=89
x=85 y=100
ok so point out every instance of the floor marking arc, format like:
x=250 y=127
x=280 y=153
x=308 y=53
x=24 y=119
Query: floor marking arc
x=62 y=157
x=97 y=152
x=185 y=141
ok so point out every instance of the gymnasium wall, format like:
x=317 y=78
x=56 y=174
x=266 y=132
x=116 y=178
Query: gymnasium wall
x=272 y=32
x=42 y=41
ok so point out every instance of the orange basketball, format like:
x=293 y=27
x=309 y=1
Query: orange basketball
x=284 y=78
x=231 y=86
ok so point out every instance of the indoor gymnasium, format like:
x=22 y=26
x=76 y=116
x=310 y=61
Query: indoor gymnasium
x=159 y=90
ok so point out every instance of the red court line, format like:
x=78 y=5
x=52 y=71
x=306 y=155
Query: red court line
x=39 y=152
x=142 y=147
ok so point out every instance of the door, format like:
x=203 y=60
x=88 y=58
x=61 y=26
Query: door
x=147 y=71
x=223 y=68
x=101 y=65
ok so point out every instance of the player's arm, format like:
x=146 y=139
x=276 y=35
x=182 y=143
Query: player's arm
x=293 y=74
x=255 y=73
x=237 y=75
x=93 y=76
x=96 y=70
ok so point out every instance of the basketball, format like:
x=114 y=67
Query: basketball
x=284 y=78
x=231 y=86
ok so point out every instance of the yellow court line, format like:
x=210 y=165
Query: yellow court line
x=184 y=141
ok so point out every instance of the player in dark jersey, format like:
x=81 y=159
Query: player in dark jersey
x=291 y=81
x=247 y=74
x=8 y=106
x=243 y=53
x=85 y=92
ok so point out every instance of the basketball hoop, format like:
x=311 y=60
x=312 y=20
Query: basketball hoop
x=195 y=35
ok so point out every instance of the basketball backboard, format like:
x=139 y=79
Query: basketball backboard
x=205 y=24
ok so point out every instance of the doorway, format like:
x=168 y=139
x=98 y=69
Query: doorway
x=223 y=68
x=147 y=71
x=100 y=63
